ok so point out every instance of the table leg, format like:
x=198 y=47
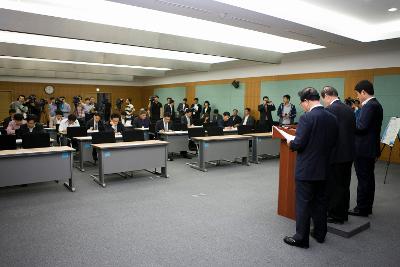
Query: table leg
x=100 y=178
x=81 y=148
x=164 y=169
x=70 y=184
x=254 y=151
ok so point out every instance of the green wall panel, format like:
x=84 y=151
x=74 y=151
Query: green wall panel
x=276 y=89
x=224 y=97
x=387 y=91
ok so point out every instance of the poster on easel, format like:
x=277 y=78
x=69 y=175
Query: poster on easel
x=391 y=131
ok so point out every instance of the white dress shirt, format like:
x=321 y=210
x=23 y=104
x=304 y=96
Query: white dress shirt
x=65 y=124
x=366 y=101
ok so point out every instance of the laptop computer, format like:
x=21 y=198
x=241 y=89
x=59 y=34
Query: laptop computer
x=36 y=140
x=244 y=129
x=214 y=131
x=103 y=137
x=8 y=142
x=196 y=132
x=133 y=135
x=76 y=132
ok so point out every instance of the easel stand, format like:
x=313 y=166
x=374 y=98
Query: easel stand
x=390 y=156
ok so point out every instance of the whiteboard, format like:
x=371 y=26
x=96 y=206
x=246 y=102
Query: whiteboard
x=391 y=131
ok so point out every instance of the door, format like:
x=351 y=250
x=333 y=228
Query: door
x=104 y=103
x=5 y=101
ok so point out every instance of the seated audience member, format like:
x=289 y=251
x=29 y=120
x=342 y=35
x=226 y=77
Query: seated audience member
x=227 y=120
x=235 y=118
x=95 y=123
x=71 y=121
x=248 y=119
x=7 y=120
x=141 y=121
x=31 y=126
x=15 y=124
x=114 y=125
x=205 y=119
x=217 y=119
x=56 y=120
x=187 y=119
x=165 y=124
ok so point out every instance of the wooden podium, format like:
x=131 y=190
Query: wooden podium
x=287 y=163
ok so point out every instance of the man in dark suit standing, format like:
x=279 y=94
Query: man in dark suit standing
x=265 y=110
x=367 y=147
x=170 y=108
x=315 y=138
x=187 y=119
x=95 y=123
x=196 y=111
x=339 y=175
x=31 y=126
x=182 y=107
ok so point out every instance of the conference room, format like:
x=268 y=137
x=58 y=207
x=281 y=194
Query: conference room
x=199 y=133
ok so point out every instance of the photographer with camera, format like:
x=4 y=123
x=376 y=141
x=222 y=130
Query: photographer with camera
x=155 y=108
x=64 y=106
x=286 y=111
x=265 y=110
x=129 y=109
x=19 y=105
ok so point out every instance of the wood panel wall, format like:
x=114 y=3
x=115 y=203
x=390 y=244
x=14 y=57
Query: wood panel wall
x=137 y=95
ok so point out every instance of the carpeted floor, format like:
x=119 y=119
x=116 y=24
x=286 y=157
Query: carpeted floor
x=225 y=217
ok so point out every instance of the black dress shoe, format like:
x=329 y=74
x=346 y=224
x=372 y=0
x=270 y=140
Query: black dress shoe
x=319 y=240
x=358 y=212
x=293 y=242
x=334 y=220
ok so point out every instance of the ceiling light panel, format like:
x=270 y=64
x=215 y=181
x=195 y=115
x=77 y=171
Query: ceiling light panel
x=115 y=14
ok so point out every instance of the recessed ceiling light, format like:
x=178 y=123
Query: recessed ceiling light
x=133 y=17
x=393 y=9
x=313 y=14
x=91 y=46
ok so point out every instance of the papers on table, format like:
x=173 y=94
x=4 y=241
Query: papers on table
x=287 y=136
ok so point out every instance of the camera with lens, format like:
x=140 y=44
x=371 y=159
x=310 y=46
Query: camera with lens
x=31 y=99
x=76 y=100
x=151 y=99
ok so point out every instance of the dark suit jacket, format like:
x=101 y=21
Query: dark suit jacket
x=228 y=123
x=109 y=128
x=315 y=139
x=196 y=114
x=369 y=129
x=344 y=150
x=181 y=108
x=250 y=121
x=100 y=125
x=218 y=119
x=138 y=123
x=160 y=125
x=206 y=111
x=263 y=114
x=168 y=109
x=184 y=120
x=236 y=120
x=25 y=130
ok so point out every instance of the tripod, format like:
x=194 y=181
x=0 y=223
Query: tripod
x=390 y=156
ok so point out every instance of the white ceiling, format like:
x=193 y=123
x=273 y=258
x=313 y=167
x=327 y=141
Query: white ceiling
x=373 y=12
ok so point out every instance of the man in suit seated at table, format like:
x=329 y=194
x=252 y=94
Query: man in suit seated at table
x=141 y=121
x=31 y=126
x=187 y=119
x=56 y=120
x=114 y=125
x=247 y=118
x=164 y=125
x=217 y=119
x=315 y=139
x=235 y=118
x=228 y=123
x=95 y=123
